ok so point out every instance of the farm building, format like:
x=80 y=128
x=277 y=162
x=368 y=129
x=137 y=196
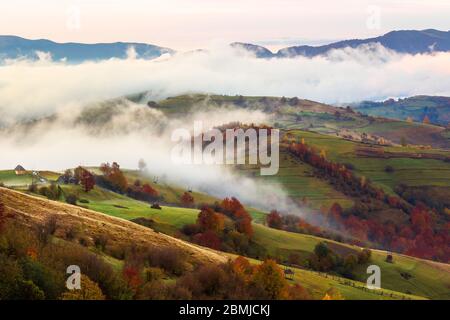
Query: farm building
x=19 y=170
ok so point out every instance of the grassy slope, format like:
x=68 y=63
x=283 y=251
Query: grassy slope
x=311 y=115
x=297 y=180
x=437 y=108
x=317 y=283
x=409 y=171
x=427 y=281
x=169 y=219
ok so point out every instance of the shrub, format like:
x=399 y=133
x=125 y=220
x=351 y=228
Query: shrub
x=154 y=290
x=33 y=188
x=364 y=256
x=101 y=241
x=169 y=259
x=152 y=274
x=71 y=199
x=89 y=291
x=72 y=232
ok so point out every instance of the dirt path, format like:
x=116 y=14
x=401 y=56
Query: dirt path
x=31 y=210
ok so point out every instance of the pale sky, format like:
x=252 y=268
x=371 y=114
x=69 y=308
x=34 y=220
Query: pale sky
x=191 y=24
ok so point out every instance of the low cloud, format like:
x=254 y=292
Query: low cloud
x=29 y=89
x=71 y=137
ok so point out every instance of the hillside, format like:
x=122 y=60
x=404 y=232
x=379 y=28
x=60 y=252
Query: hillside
x=435 y=109
x=32 y=210
x=295 y=113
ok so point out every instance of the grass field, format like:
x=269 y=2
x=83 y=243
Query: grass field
x=413 y=172
x=297 y=180
x=428 y=279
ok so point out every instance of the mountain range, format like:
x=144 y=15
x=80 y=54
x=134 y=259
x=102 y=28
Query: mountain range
x=12 y=47
x=403 y=41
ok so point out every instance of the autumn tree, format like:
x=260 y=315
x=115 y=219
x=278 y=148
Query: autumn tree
x=147 y=189
x=210 y=220
x=89 y=291
x=187 y=199
x=114 y=176
x=274 y=219
x=426 y=120
x=269 y=278
x=132 y=277
x=87 y=180
x=236 y=211
x=333 y=294
x=297 y=292
x=208 y=239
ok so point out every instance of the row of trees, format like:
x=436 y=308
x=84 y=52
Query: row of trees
x=325 y=259
x=362 y=222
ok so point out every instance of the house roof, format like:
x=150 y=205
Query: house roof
x=19 y=168
x=288 y=271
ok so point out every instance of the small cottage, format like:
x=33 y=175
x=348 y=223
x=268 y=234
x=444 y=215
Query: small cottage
x=289 y=274
x=19 y=170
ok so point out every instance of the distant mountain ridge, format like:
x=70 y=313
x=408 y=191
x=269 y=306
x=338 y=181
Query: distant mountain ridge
x=12 y=47
x=403 y=41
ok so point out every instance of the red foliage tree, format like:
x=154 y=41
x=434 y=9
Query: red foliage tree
x=132 y=277
x=114 y=175
x=187 y=199
x=87 y=180
x=208 y=239
x=209 y=220
x=274 y=220
x=146 y=188
x=236 y=211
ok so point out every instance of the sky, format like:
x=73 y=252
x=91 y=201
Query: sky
x=192 y=24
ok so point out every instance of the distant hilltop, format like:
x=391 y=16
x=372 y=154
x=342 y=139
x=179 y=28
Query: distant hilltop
x=403 y=41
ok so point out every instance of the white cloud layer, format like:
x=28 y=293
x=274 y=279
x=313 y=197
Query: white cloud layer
x=35 y=88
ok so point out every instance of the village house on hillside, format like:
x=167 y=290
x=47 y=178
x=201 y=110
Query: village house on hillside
x=19 y=170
